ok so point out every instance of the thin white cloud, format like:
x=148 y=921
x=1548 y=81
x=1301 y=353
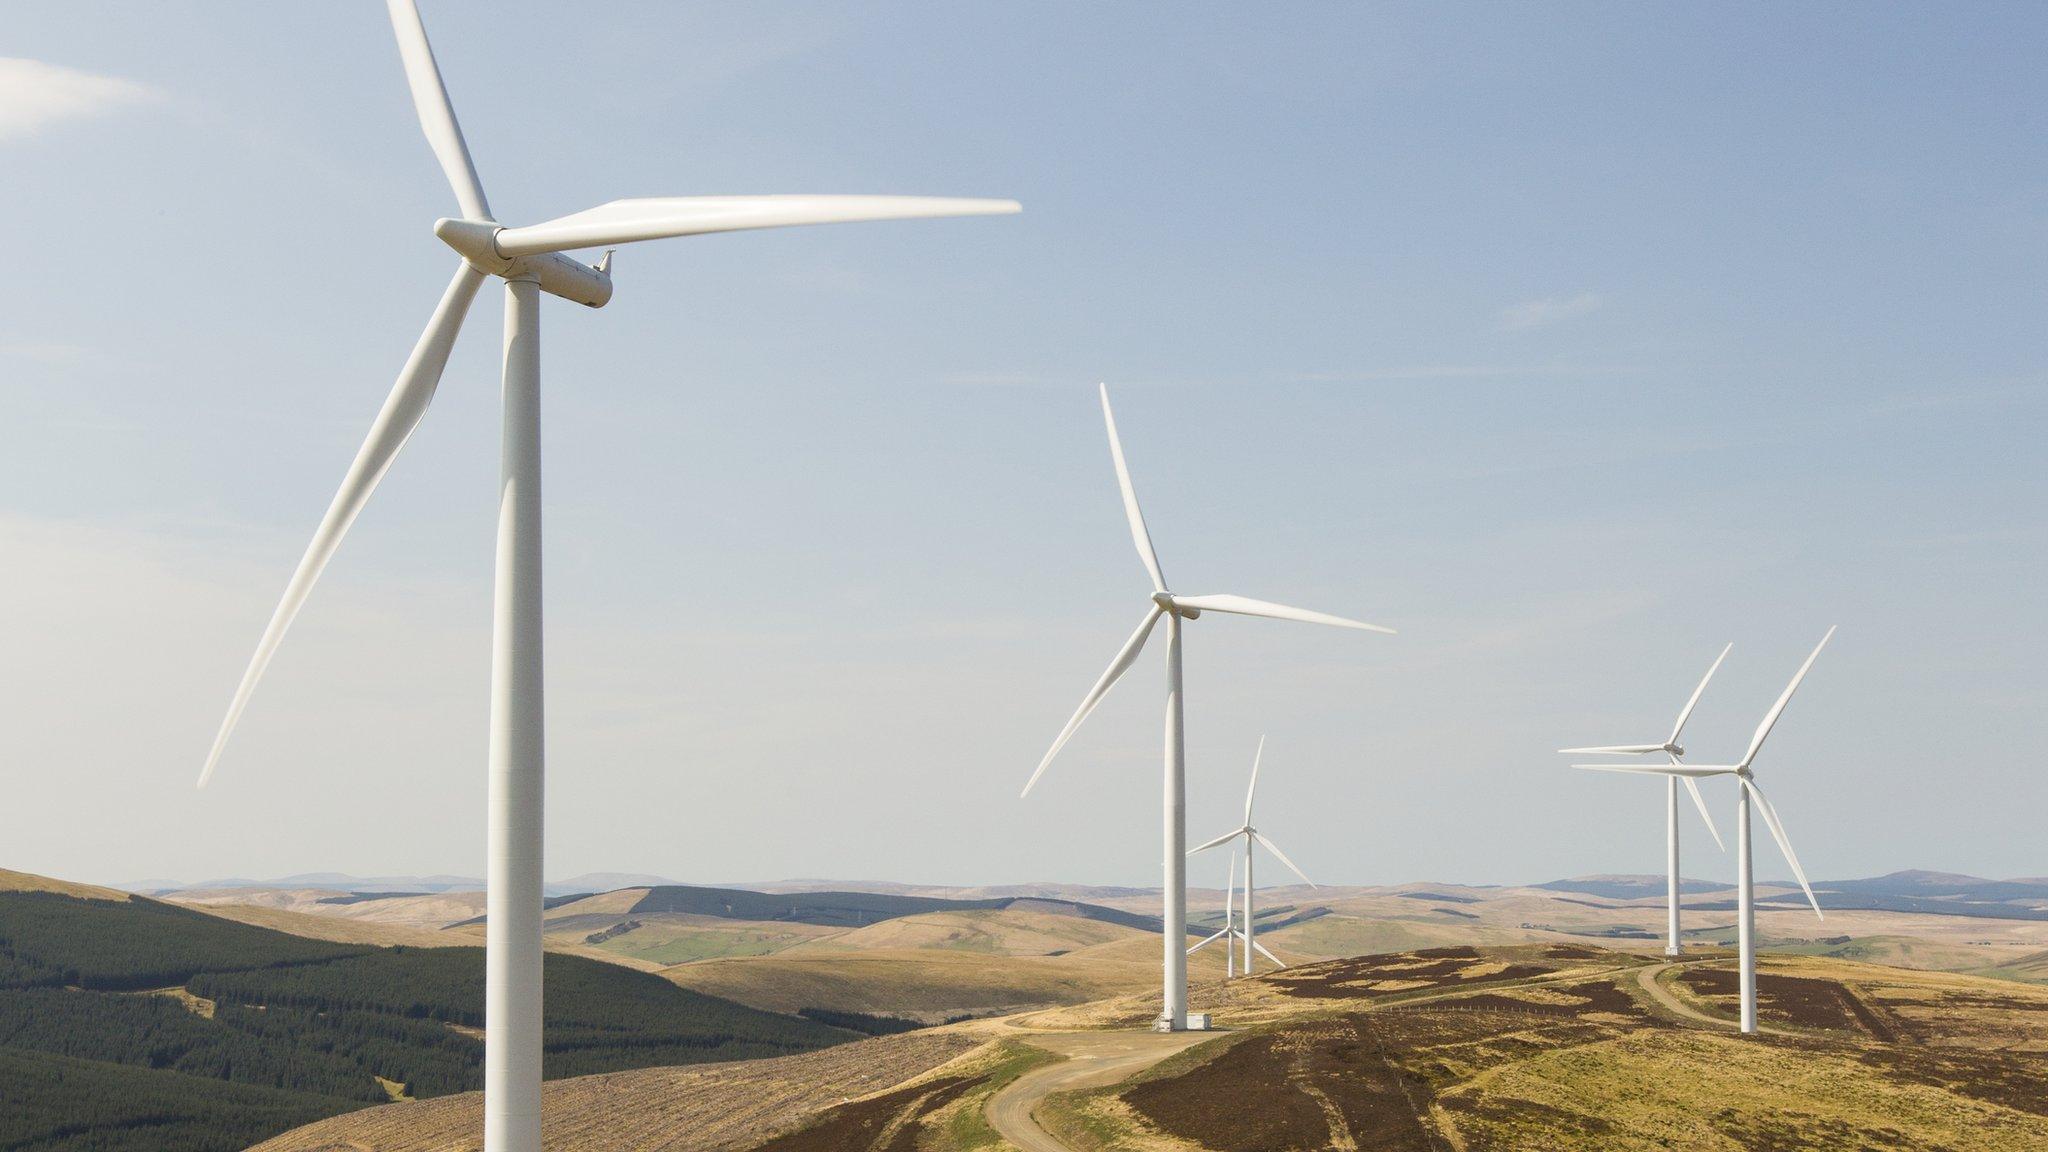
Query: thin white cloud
x=35 y=95
x=1532 y=314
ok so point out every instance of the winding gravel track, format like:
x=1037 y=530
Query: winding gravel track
x=1093 y=1059
x=1647 y=977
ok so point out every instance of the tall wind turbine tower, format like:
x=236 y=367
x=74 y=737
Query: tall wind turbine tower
x=1176 y=609
x=1675 y=752
x=1745 y=919
x=530 y=261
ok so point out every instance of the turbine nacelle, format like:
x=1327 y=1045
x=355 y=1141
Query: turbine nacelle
x=554 y=273
x=1166 y=601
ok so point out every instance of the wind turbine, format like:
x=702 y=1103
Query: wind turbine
x=1252 y=835
x=1176 y=609
x=530 y=261
x=1228 y=933
x=1745 y=920
x=1675 y=752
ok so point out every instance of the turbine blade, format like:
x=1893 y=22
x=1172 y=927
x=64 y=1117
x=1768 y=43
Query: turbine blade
x=658 y=218
x=1268 y=955
x=1226 y=838
x=1117 y=668
x=1282 y=856
x=1686 y=713
x=400 y=415
x=1253 y=790
x=1700 y=802
x=1246 y=606
x=1695 y=771
x=1230 y=894
x=1771 y=821
x=1614 y=750
x=437 y=115
x=1771 y=718
x=1192 y=949
x=1132 y=512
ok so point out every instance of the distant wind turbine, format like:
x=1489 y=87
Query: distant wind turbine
x=1675 y=752
x=1228 y=933
x=1745 y=920
x=1252 y=835
x=1175 y=608
x=530 y=260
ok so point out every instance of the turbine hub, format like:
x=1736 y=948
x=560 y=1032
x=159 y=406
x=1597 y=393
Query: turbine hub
x=1675 y=749
x=554 y=273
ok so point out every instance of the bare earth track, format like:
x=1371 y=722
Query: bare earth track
x=1093 y=1060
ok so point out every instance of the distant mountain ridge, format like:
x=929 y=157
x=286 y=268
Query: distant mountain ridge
x=399 y=885
x=1626 y=887
x=843 y=909
x=1909 y=890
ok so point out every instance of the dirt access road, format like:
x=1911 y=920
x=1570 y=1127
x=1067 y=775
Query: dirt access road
x=1647 y=977
x=1093 y=1059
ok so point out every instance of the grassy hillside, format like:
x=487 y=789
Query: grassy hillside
x=935 y=984
x=853 y=909
x=1518 y=1047
x=167 y=1028
x=1005 y=932
x=1577 y=1047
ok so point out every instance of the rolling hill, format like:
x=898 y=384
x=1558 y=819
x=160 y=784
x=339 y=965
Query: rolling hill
x=1523 y=1046
x=933 y=985
x=128 y=1023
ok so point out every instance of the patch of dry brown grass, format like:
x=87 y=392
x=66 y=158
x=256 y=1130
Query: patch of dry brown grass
x=697 y=1108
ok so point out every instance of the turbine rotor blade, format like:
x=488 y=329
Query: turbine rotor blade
x=1226 y=838
x=1246 y=606
x=1132 y=512
x=1686 y=713
x=1771 y=718
x=437 y=114
x=1192 y=949
x=1695 y=771
x=1268 y=955
x=662 y=217
x=1117 y=667
x=1282 y=856
x=1700 y=802
x=394 y=424
x=1253 y=790
x=1614 y=750
x=1777 y=828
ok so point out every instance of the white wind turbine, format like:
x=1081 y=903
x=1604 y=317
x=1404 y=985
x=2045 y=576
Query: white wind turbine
x=1228 y=933
x=530 y=260
x=1745 y=920
x=1175 y=609
x=1675 y=751
x=1251 y=836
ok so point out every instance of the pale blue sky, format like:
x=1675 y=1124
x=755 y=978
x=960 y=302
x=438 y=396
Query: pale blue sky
x=1574 y=342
